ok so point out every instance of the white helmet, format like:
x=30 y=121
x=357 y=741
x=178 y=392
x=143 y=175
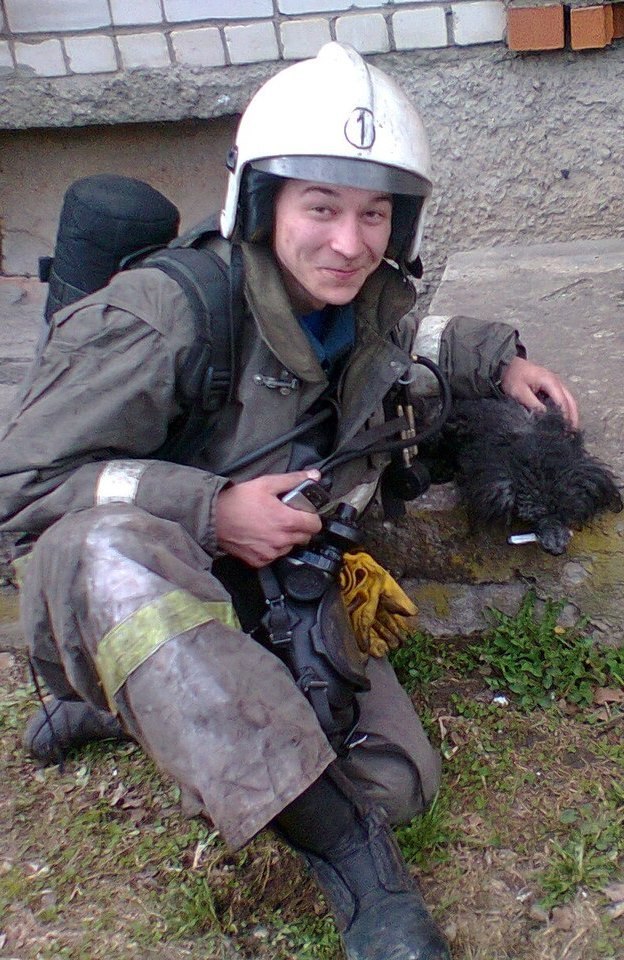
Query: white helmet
x=333 y=119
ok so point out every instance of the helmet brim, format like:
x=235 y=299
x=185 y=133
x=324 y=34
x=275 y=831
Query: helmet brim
x=346 y=172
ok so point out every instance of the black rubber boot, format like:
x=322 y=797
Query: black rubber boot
x=358 y=865
x=68 y=724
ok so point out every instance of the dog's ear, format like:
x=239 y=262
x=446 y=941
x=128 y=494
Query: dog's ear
x=588 y=489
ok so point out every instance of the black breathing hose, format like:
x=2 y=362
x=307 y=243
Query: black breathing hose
x=296 y=431
x=382 y=446
x=390 y=446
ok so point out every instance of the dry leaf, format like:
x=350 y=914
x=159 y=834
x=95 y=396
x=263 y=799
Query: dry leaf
x=602 y=714
x=473 y=822
x=563 y=918
x=614 y=891
x=118 y=795
x=6 y=661
x=608 y=695
x=615 y=910
x=539 y=913
x=137 y=814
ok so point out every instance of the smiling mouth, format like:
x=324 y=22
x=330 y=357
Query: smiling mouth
x=342 y=272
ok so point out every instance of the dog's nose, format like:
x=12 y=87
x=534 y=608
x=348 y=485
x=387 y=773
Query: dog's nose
x=553 y=536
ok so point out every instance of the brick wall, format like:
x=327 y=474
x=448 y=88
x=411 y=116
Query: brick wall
x=53 y=38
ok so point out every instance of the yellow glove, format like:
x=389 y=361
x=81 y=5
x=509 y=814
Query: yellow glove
x=376 y=604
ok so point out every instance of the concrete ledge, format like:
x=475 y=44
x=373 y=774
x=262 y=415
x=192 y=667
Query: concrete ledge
x=455 y=573
x=141 y=95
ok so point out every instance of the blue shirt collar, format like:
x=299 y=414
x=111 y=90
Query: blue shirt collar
x=331 y=332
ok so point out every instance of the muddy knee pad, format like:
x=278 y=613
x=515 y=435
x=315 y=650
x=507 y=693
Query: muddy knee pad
x=92 y=570
x=391 y=781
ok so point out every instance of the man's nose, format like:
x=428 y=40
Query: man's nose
x=347 y=237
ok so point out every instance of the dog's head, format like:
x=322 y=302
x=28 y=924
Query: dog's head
x=517 y=465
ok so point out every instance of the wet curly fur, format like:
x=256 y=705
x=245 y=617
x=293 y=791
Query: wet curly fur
x=516 y=465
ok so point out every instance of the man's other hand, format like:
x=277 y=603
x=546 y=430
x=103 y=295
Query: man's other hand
x=525 y=381
x=254 y=525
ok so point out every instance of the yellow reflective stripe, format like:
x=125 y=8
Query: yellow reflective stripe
x=131 y=642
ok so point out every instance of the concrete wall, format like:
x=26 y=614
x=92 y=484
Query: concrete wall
x=184 y=160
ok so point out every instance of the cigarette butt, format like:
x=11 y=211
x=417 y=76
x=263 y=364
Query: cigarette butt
x=515 y=538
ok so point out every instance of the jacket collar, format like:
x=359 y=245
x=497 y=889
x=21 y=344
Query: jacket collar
x=383 y=300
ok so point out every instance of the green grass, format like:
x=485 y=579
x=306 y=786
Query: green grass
x=425 y=842
x=423 y=659
x=539 y=661
x=589 y=856
x=310 y=938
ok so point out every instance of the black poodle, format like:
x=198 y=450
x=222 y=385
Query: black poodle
x=512 y=464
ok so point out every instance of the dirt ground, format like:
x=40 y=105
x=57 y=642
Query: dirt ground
x=521 y=857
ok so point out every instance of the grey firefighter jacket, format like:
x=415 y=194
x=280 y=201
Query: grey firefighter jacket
x=102 y=388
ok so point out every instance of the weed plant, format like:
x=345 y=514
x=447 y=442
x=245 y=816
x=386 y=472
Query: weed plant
x=539 y=661
x=588 y=857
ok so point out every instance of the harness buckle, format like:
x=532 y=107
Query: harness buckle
x=273 y=383
x=276 y=621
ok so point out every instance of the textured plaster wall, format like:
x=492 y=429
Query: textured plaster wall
x=526 y=149
x=184 y=160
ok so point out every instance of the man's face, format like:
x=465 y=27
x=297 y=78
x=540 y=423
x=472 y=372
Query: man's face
x=328 y=240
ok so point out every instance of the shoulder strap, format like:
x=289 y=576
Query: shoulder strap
x=204 y=279
x=214 y=292
x=199 y=234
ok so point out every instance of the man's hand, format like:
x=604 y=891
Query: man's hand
x=255 y=526
x=524 y=381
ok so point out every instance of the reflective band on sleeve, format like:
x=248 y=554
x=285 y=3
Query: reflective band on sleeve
x=118 y=481
x=139 y=636
x=427 y=344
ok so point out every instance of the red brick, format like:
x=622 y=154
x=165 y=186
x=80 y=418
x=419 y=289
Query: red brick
x=609 y=21
x=618 y=20
x=591 y=27
x=535 y=28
